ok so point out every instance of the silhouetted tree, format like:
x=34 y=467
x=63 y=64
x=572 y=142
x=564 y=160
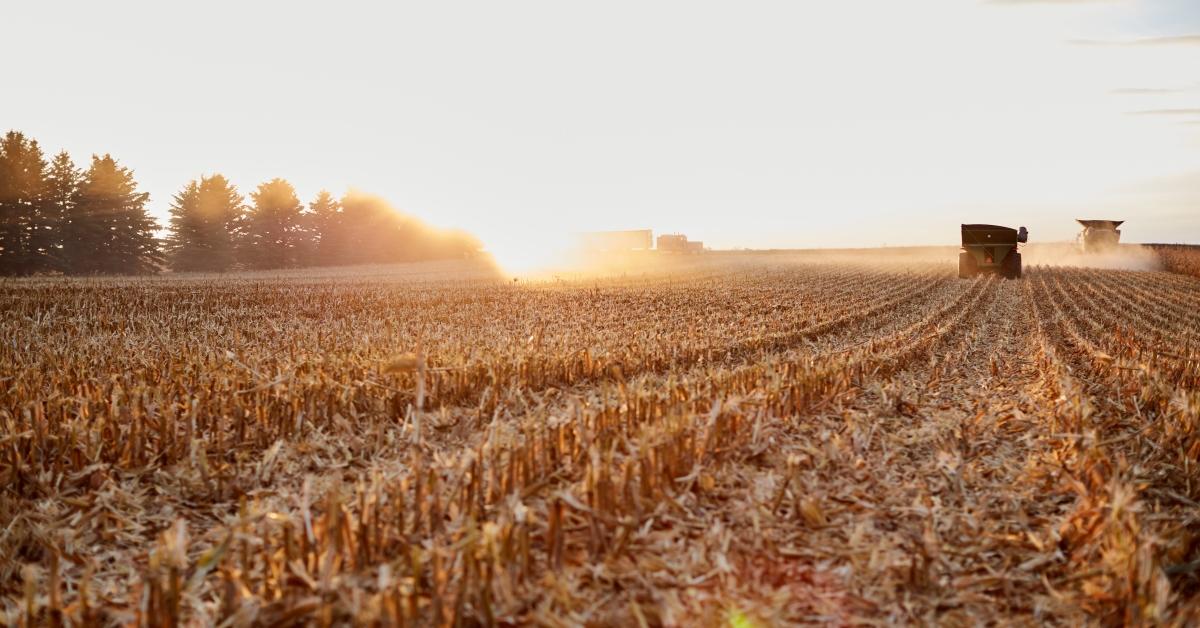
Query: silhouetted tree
x=325 y=218
x=22 y=179
x=307 y=239
x=56 y=218
x=59 y=196
x=109 y=230
x=274 y=234
x=186 y=239
x=206 y=219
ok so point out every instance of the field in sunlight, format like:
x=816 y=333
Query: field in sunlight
x=727 y=439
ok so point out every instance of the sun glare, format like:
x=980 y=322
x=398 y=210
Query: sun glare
x=524 y=255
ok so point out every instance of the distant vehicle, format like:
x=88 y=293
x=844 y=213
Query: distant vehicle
x=1099 y=236
x=678 y=243
x=672 y=242
x=990 y=248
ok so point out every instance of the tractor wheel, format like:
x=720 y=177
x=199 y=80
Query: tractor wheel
x=968 y=266
x=1012 y=265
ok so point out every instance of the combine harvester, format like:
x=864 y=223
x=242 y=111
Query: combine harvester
x=1099 y=236
x=678 y=243
x=635 y=241
x=990 y=248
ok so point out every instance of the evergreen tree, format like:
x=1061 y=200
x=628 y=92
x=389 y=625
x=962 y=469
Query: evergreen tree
x=109 y=230
x=59 y=196
x=306 y=240
x=22 y=179
x=274 y=233
x=186 y=245
x=325 y=214
x=205 y=220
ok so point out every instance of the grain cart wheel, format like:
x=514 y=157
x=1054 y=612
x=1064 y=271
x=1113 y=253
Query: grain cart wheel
x=1012 y=265
x=968 y=266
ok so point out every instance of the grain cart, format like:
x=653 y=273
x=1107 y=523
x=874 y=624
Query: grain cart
x=989 y=248
x=1099 y=236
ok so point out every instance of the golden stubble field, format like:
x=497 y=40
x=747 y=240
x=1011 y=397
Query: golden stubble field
x=735 y=441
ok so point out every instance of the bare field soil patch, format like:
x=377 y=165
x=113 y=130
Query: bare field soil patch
x=757 y=439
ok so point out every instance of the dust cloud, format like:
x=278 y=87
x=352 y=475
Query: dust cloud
x=580 y=265
x=584 y=264
x=1124 y=257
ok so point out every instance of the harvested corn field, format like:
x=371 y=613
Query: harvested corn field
x=765 y=442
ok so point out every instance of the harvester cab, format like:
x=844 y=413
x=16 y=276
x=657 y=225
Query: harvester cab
x=990 y=248
x=1099 y=236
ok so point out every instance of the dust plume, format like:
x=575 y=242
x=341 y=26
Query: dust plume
x=371 y=230
x=1124 y=257
x=583 y=264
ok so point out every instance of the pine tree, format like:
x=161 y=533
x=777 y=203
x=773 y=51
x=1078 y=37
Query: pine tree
x=22 y=179
x=307 y=239
x=109 y=230
x=326 y=227
x=186 y=246
x=274 y=233
x=59 y=196
x=205 y=220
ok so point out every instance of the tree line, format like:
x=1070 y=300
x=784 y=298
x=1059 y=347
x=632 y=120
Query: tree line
x=58 y=218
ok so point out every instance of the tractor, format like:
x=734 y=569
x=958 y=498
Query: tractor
x=989 y=248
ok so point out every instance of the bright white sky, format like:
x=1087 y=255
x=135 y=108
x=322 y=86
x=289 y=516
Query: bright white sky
x=756 y=124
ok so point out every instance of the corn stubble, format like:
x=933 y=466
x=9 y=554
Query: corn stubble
x=747 y=444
